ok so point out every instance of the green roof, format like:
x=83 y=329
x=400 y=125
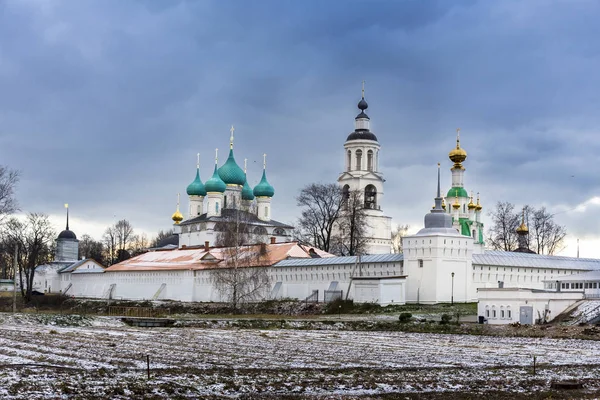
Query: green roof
x=196 y=188
x=215 y=183
x=231 y=173
x=460 y=191
x=264 y=189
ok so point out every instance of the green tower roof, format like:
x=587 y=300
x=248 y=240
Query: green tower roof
x=196 y=188
x=264 y=189
x=215 y=183
x=231 y=173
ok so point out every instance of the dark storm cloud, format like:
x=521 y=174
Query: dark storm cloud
x=104 y=104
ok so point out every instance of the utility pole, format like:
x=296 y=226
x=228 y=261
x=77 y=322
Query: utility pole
x=15 y=279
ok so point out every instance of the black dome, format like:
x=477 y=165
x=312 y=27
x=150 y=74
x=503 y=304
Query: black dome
x=67 y=234
x=362 y=135
x=362 y=104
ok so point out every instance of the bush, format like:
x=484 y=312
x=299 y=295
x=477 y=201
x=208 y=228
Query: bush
x=405 y=317
x=446 y=318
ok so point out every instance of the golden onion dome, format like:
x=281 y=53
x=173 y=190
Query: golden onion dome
x=478 y=207
x=177 y=217
x=458 y=154
x=471 y=205
x=523 y=228
x=456 y=204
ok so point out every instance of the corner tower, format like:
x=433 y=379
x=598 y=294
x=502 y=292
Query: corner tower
x=438 y=259
x=361 y=155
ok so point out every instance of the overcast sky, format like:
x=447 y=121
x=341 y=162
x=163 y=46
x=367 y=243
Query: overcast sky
x=104 y=104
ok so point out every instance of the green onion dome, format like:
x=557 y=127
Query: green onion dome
x=264 y=189
x=231 y=173
x=196 y=188
x=457 y=192
x=215 y=183
x=247 y=193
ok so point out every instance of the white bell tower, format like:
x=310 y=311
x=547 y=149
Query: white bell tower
x=361 y=155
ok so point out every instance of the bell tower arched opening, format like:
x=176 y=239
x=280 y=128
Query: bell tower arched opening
x=371 y=197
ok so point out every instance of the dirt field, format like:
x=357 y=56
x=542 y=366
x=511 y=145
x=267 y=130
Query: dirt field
x=109 y=361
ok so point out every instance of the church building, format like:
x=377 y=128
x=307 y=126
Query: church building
x=226 y=202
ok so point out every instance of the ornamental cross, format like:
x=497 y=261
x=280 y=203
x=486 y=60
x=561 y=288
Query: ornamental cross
x=363 y=89
x=231 y=138
x=265 y=161
x=245 y=164
x=198 y=160
x=216 y=156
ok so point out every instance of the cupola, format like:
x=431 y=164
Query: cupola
x=362 y=122
x=247 y=193
x=478 y=206
x=215 y=184
x=67 y=233
x=471 y=205
x=177 y=216
x=230 y=172
x=196 y=188
x=264 y=189
x=458 y=155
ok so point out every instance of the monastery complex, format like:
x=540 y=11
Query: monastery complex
x=446 y=261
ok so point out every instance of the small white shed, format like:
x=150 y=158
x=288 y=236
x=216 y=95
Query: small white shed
x=383 y=290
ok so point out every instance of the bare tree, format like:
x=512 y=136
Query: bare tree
x=110 y=245
x=397 y=235
x=8 y=182
x=161 y=235
x=34 y=237
x=118 y=241
x=125 y=235
x=90 y=248
x=139 y=244
x=242 y=276
x=502 y=234
x=321 y=205
x=545 y=236
x=350 y=234
x=238 y=228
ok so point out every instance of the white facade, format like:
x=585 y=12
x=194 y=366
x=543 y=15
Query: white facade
x=526 y=306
